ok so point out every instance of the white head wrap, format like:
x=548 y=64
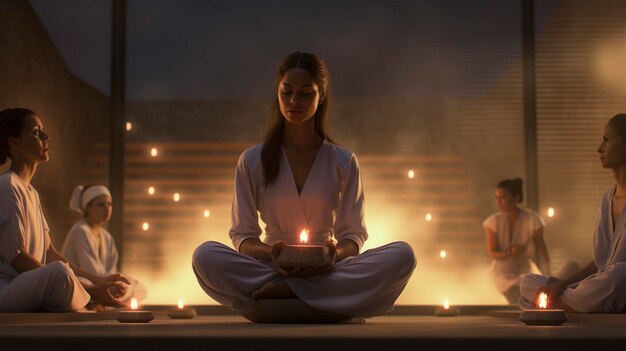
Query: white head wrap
x=80 y=197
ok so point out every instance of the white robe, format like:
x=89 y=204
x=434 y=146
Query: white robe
x=331 y=204
x=53 y=287
x=97 y=254
x=507 y=272
x=605 y=290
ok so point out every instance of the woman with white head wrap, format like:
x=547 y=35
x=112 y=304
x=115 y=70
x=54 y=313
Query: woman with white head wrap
x=89 y=244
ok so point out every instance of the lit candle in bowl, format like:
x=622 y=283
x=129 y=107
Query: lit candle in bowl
x=304 y=255
x=446 y=310
x=181 y=312
x=134 y=315
x=542 y=315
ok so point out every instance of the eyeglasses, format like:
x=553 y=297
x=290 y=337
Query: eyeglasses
x=39 y=134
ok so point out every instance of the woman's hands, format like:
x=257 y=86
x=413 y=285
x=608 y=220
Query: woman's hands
x=107 y=293
x=307 y=271
x=517 y=250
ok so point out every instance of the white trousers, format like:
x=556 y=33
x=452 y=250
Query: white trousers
x=602 y=292
x=52 y=288
x=364 y=286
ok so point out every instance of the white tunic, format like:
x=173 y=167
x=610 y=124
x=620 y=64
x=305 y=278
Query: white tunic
x=97 y=254
x=508 y=271
x=331 y=202
x=605 y=290
x=53 y=287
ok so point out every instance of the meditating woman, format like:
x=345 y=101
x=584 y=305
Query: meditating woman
x=599 y=287
x=299 y=179
x=89 y=244
x=514 y=238
x=34 y=276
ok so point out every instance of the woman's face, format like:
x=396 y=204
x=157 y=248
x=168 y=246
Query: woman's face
x=612 y=149
x=298 y=96
x=505 y=200
x=99 y=209
x=32 y=144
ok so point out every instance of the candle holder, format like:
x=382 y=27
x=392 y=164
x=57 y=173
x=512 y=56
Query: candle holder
x=134 y=316
x=542 y=315
x=181 y=312
x=304 y=256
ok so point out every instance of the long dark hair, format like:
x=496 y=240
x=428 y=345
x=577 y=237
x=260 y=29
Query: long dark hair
x=513 y=186
x=271 y=153
x=11 y=125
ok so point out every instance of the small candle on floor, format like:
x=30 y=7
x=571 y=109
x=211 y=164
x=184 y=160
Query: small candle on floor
x=542 y=315
x=446 y=310
x=134 y=315
x=181 y=312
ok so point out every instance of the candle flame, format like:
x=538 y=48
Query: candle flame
x=446 y=304
x=551 y=212
x=207 y=213
x=176 y=197
x=133 y=304
x=543 y=300
x=411 y=174
x=129 y=126
x=428 y=217
x=304 y=236
x=181 y=304
x=443 y=254
x=145 y=226
x=151 y=190
x=154 y=152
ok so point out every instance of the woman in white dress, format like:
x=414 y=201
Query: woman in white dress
x=89 y=244
x=34 y=276
x=299 y=179
x=600 y=286
x=514 y=238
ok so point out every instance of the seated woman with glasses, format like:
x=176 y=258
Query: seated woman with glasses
x=89 y=244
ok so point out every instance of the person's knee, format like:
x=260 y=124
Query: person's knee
x=59 y=270
x=206 y=256
x=402 y=254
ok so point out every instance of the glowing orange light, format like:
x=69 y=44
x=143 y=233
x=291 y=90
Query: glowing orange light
x=176 y=197
x=543 y=300
x=411 y=174
x=129 y=126
x=443 y=254
x=446 y=304
x=551 y=212
x=428 y=217
x=207 y=213
x=154 y=152
x=133 y=304
x=151 y=190
x=304 y=236
x=181 y=305
x=145 y=226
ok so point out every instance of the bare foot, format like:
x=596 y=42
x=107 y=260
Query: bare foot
x=273 y=290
